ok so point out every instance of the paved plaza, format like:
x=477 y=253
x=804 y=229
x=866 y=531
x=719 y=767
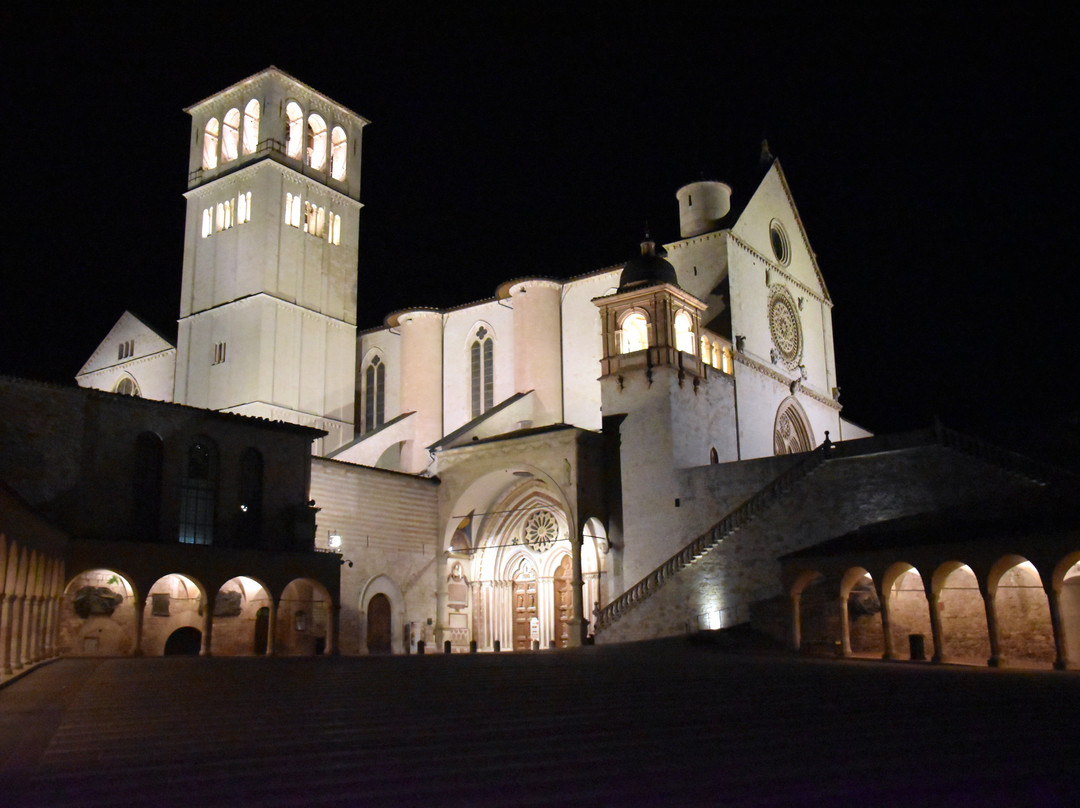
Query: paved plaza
x=662 y=723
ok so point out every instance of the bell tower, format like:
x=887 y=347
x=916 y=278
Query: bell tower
x=268 y=299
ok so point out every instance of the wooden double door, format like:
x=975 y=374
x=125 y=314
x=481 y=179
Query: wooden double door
x=526 y=608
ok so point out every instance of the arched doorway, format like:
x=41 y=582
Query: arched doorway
x=962 y=611
x=185 y=641
x=378 y=625
x=175 y=600
x=1025 y=635
x=909 y=613
x=97 y=615
x=1069 y=605
x=236 y=608
x=864 y=630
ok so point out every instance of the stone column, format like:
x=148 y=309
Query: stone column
x=8 y=627
x=271 y=628
x=140 y=613
x=992 y=629
x=334 y=616
x=886 y=628
x=796 y=622
x=845 y=627
x=577 y=625
x=17 y=632
x=1061 y=656
x=33 y=612
x=935 y=627
x=440 y=598
x=208 y=626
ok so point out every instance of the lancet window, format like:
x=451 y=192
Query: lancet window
x=210 y=144
x=251 y=126
x=294 y=129
x=338 y=152
x=316 y=142
x=482 y=372
x=374 y=394
x=230 y=135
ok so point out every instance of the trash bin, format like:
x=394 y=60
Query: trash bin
x=917 y=644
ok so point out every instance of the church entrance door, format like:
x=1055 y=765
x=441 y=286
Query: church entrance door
x=378 y=625
x=564 y=604
x=185 y=641
x=524 y=609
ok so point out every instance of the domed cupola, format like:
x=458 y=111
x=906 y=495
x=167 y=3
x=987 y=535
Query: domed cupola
x=647 y=269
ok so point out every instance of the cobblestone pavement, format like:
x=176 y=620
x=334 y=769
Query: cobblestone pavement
x=666 y=723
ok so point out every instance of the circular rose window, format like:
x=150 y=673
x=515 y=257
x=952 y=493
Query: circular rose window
x=778 y=239
x=541 y=530
x=785 y=327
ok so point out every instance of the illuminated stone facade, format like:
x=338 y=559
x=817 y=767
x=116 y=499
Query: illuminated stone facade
x=632 y=412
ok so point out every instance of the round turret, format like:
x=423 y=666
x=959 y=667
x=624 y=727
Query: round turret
x=701 y=206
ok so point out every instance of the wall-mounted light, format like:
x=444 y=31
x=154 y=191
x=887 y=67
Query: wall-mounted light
x=334 y=540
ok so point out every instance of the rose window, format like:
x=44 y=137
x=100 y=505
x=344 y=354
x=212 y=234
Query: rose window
x=785 y=328
x=541 y=530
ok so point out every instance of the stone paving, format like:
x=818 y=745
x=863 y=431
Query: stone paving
x=663 y=723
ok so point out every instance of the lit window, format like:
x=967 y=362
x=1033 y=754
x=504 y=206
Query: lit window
x=320 y=222
x=219 y=220
x=374 y=394
x=228 y=206
x=726 y=361
x=335 y=228
x=219 y=353
x=207 y=222
x=230 y=135
x=294 y=133
x=292 y=210
x=316 y=143
x=198 y=494
x=243 y=208
x=706 y=351
x=338 y=150
x=634 y=335
x=309 y=218
x=251 y=126
x=210 y=141
x=684 y=333
x=482 y=367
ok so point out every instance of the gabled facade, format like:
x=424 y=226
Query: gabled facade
x=133 y=360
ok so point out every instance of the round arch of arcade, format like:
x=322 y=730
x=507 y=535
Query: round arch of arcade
x=108 y=612
x=509 y=572
x=1009 y=610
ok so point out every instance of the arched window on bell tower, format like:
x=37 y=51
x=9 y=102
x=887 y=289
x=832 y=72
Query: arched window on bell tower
x=339 y=148
x=294 y=129
x=230 y=135
x=482 y=372
x=316 y=142
x=251 y=126
x=210 y=144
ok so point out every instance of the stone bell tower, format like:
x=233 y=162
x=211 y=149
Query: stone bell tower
x=268 y=300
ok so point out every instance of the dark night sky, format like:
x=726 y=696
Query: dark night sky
x=929 y=158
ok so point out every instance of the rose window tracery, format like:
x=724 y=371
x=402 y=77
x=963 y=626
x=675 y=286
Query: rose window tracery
x=785 y=328
x=541 y=530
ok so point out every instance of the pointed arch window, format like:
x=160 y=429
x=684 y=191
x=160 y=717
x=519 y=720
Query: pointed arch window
x=230 y=135
x=482 y=372
x=684 y=332
x=294 y=131
x=251 y=126
x=338 y=152
x=316 y=142
x=634 y=333
x=198 y=493
x=374 y=395
x=210 y=144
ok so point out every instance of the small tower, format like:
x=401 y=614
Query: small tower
x=677 y=412
x=268 y=300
